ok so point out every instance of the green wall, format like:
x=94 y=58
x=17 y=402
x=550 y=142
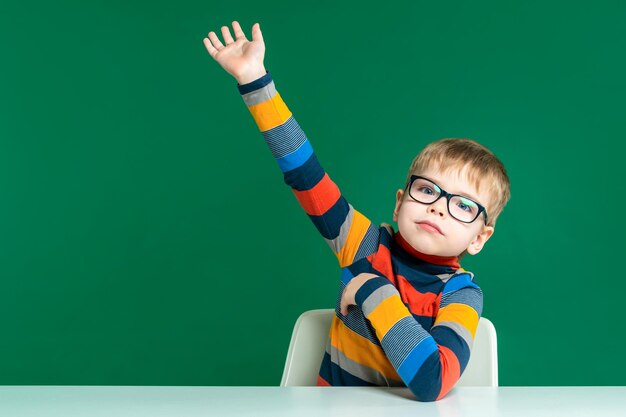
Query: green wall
x=147 y=238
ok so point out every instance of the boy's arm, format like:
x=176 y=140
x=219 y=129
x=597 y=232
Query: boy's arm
x=349 y=233
x=345 y=229
x=428 y=363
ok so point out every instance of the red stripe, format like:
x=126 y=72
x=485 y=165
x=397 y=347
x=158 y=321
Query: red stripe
x=320 y=198
x=321 y=382
x=381 y=262
x=452 y=261
x=450 y=370
x=422 y=304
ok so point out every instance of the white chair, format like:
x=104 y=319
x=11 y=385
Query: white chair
x=482 y=368
x=308 y=343
x=306 y=349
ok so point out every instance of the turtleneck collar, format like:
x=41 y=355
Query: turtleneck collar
x=451 y=261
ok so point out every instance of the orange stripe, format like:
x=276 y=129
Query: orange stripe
x=270 y=113
x=387 y=313
x=450 y=370
x=463 y=314
x=360 y=350
x=358 y=228
x=319 y=199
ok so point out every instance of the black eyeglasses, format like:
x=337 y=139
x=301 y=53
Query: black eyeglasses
x=462 y=208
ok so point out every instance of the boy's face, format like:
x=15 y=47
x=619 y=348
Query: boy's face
x=455 y=236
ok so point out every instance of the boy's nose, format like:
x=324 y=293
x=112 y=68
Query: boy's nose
x=439 y=207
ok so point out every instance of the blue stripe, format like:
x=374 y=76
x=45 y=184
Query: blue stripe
x=362 y=265
x=416 y=358
x=342 y=377
x=369 y=244
x=418 y=279
x=470 y=296
x=402 y=338
x=346 y=275
x=336 y=376
x=447 y=337
x=255 y=84
x=305 y=176
x=426 y=384
x=355 y=321
x=459 y=281
x=285 y=138
x=385 y=237
x=368 y=288
x=329 y=223
x=425 y=321
x=297 y=158
x=325 y=368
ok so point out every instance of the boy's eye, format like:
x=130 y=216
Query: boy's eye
x=425 y=190
x=466 y=205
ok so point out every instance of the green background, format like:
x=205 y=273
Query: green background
x=147 y=237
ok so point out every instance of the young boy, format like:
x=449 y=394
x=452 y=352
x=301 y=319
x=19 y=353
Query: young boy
x=407 y=312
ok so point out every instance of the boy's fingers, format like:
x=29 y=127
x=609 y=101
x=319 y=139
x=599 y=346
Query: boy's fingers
x=207 y=43
x=215 y=41
x=256 y=33
x=226 y=35
x=238 y=32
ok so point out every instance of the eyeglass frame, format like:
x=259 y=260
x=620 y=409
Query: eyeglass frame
x=448 y=196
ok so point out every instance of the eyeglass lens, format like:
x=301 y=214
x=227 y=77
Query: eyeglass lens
x=459 y=207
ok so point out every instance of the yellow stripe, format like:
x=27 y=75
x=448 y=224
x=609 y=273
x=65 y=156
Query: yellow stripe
x=463 y=314
x=270 y=113
x=361 y=350
x=357 y=231
x=386 y=314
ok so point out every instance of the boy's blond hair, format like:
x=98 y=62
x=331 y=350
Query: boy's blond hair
x=470 y=158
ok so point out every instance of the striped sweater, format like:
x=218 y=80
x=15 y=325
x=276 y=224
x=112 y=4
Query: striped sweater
x=414 y=324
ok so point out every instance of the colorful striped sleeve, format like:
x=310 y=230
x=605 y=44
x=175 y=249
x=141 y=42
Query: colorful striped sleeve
x=345 y=229
x=428 y=363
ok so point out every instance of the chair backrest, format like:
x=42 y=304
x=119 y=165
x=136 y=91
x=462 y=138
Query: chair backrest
x=310 y=334
x=482 y=368
x=306 y=349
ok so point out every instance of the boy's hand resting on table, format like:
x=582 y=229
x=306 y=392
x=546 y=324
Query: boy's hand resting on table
x=240 y=58
x=347 y=298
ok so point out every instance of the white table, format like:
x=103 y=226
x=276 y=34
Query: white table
x=126 y=401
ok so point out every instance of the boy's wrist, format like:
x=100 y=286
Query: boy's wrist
x=255 y=85
x=251 y=76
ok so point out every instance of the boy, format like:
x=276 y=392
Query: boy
x=407 y=312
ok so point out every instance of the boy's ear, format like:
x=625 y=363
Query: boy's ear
x=479 y=241
x=399 y=196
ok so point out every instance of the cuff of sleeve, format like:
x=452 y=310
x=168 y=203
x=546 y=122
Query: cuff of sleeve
x=256 y=84
x=368 y=288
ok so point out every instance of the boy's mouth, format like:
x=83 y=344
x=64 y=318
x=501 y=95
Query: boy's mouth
x=429 y=227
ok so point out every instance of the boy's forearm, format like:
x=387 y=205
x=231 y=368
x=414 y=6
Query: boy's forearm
x=318 y=195
x=429 y=363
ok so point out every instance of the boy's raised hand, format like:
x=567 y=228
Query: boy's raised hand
x=240 y=58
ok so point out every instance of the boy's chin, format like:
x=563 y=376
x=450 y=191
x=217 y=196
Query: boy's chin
x=421 y=245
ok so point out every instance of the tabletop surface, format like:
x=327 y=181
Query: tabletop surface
x=160 y=401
